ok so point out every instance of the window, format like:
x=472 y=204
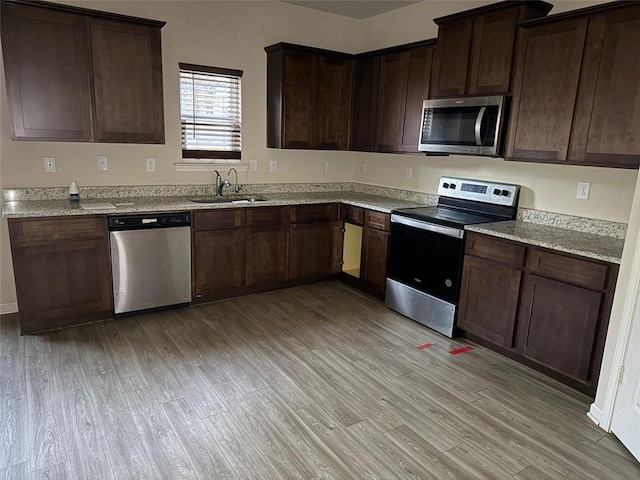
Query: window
x=210 y=112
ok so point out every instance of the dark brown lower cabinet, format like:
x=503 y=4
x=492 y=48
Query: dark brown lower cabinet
x=375 y=248
x=558 y=324
x=490 y=304
x=315 y=249
x=266 y=255
x=60 y=280
x=218 y=262
x=550 y=312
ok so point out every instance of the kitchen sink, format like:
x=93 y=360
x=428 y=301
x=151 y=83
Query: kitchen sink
x=227 y=200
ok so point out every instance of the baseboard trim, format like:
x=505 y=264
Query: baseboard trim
x=8 y=308
x=595 y=414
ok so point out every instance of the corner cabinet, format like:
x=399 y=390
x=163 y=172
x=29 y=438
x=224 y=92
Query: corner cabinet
x=547 y=309
x=81 y=75
x=576 y=97
x=308 y=98
x=475 y=50
x=62 y=271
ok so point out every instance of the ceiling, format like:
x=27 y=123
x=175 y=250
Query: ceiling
x=353 y=8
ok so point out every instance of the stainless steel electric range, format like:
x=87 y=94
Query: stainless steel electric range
x=427 y=247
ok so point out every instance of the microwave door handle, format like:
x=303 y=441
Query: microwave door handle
x=479 y=118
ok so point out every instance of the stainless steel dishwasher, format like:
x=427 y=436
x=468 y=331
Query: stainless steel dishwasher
x=150 y=261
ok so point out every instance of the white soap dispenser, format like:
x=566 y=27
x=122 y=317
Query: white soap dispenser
x=74 y=192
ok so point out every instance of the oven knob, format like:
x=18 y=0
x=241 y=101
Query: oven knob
x=445 y=185
x=506 y=193
x=496 y=191
x=453 y=185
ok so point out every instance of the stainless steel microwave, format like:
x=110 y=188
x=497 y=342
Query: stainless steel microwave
x=467 y=126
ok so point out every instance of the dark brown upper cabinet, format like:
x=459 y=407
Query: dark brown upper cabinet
x=365 y=103
x=403 y=85
x=576 y=90
x=81 y=75
x=308 y=98
x=475 y=50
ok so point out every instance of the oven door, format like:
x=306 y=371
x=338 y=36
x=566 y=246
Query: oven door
x=427 y=257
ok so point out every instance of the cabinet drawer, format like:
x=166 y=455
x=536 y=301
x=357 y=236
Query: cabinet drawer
x=325 y=212
x=31 y=232
x=494 y=249
x=582 y=273
x=353 y=215
x=377 y=220
x=265 y=216
x=215 y=219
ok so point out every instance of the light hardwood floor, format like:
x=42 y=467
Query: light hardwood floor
x=311 y=382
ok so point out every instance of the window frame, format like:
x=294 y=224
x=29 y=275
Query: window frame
x=208 y=155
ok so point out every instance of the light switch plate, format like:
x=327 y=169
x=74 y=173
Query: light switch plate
x=273 y=166
x=364 y=167
x=103 y=163
x=50 y=164
x=151 y=164
x=253 y=165
x=328 y=166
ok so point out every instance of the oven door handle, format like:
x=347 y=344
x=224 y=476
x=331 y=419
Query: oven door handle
x=431 y=227
x=481 y=113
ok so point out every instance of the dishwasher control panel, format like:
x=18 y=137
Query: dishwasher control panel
x=142 y=221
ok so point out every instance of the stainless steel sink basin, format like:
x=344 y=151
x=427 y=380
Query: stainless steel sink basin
x=227 y=199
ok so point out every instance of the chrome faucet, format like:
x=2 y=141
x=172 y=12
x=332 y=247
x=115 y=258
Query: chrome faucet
x=237 y=187
x=220 y=184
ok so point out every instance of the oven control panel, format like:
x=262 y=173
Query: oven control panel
x=479 y=190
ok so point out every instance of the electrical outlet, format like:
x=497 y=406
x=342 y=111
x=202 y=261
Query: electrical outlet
x=151 y=164
x=253 y=165
x=408 y=172
x=273 y=166
x=328 y=166
x=364 y=167
x=583 y=190
x=103 y=164
x=49 y=164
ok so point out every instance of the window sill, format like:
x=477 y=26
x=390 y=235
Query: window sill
x=209 y=166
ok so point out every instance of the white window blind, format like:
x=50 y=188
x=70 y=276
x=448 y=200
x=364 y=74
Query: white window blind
x=210 y=112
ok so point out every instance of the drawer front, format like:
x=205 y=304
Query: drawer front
x=216 y=219
x=377 y=220
x=576 y=271
x=324 y=212
x=33 y=232
x=265 y=216
x=353 y=215
x=494 y=249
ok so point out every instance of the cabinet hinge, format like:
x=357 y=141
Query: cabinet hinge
x=341 y=262
x=343 y=230
x=620 y=373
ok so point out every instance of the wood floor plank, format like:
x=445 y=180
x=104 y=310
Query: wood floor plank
x=46 y=430
x=169 y=459
x=318 y=382
x=14 y=441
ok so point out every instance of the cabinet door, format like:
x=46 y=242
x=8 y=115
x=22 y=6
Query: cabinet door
x=313 y=251
x=375 y=248
x=218 y=262
x=451 y=58
x=417 y=91
x=62 y=283
x=492 y=49
x=545 y=86
x=127 y=69
x=558 y=324
x=299 y=99
x=489 y=300
x=365 y=104
x=46 y=64
x=606 y=128
x=266 y=255
x=333 y=102
x=392 y=98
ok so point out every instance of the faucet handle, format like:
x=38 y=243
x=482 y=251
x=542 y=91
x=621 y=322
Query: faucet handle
x=237 y=188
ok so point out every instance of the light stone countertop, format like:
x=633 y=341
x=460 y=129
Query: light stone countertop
x=588 y=245
x=56 y=208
